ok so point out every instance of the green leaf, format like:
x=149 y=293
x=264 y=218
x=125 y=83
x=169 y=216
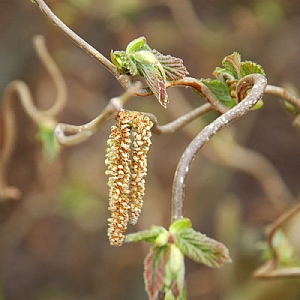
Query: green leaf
x=220 y=90
x=232 y=63
x=201 y=248
x=146 y=235
x=46 y=136
x=136 y=45
x=156 y=68
x=179 y=225
x=154 y=270
x=250 y=67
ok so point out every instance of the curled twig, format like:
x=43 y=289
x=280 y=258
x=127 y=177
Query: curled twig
x=270 y=268
x=22 y=90
x=258 y=84
x=78 y=134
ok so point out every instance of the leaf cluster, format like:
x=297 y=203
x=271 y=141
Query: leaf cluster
x=156 y=68
x=224 y=86
x=164 y=265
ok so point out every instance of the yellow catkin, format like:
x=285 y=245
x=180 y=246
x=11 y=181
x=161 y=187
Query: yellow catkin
x=126 y=159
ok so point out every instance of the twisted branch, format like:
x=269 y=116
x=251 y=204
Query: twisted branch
x=258 y=84
x=69 y=135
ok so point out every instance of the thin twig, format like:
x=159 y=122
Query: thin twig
x=258 y=84
x=78 y=134
x=270 y=268
x=22 y=90
x=125 y=80
x=179 y=122
x=284 y=94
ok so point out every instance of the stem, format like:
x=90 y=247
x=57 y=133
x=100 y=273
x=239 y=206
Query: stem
x=284 y=94
x=81 y=133
x=258 y=84
x=76 y=38
x=179 y=122
x=125 y=80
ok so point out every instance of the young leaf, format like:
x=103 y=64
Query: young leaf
x=156 y=68
x=232 y=64
x=136 y=45
x=145 y=235
x=201 y=248
x=154 y=270
x=179 y=225
x=249 y=67
x=220 y=90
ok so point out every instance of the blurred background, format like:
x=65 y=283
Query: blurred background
x=53 y=242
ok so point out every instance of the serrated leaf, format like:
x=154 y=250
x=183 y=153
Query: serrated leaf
x=173 y=66
x=179 y=225
x=202 y=249
x=154 y=270
x=220 y=90
x=250 y=67
x=145 y=235
x=232 y=63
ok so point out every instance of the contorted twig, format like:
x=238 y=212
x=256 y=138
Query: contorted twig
x=270 y=269
x=78 y=134
x=258 y=84
x=38 y=116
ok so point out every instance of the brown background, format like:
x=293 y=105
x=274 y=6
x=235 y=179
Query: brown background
x=53 y=242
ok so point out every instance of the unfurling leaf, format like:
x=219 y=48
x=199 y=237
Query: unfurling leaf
x=156 y=68
x=145 y=235
x=154 y=270
x=202 y=249
x=179 y=225
x=232 y=63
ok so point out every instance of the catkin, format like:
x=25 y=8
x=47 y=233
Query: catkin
x=126 y=158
